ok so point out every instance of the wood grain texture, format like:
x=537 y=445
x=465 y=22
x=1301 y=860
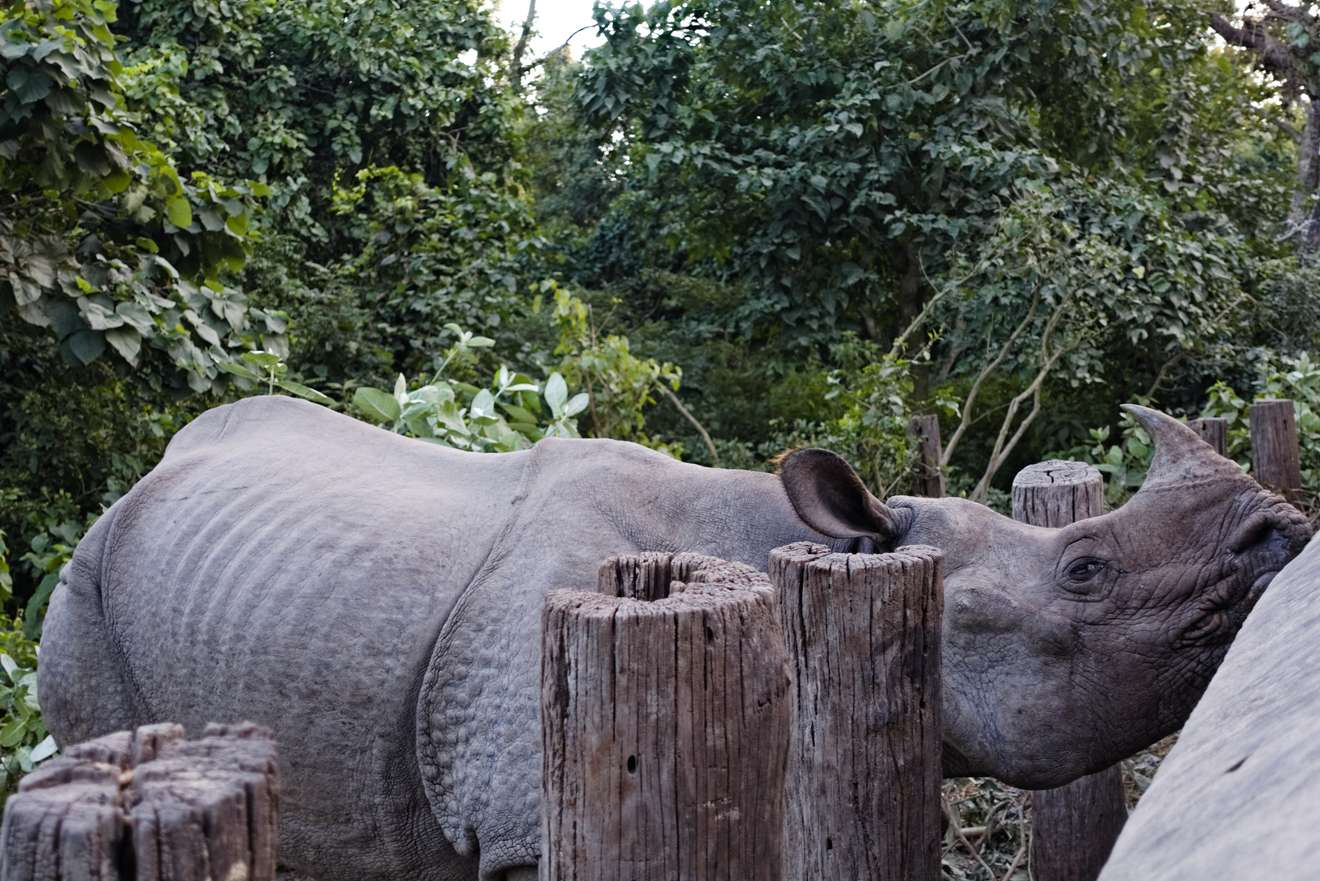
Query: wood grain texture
x=664 y=724
x=927 y=478
x=1074 y=827
x=1213 y=430
x=863 y=634
x=148 y=805
x=1275 y=454
x=1056 y=492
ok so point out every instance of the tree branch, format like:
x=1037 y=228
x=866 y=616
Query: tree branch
x=555 y=51
x=520 y=48
x=1003 y=444
x=1272 y=55
x=1284 y=12
x=981 y=377
x=687 y=414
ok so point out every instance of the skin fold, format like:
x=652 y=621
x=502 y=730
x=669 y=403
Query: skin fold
x=375 y=601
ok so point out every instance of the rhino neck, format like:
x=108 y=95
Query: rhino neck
x=734 y=515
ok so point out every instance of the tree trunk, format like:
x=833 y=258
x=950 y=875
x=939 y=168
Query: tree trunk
x=927 y=479
x=912 y=293
x=1074 y=827
x=1275 y=450
x=863 y=634
x=516 y=66
x=1304 y=212
x=147 y=805
x=665 y=714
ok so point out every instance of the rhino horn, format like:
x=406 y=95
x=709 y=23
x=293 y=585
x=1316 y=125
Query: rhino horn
x=1181 y=456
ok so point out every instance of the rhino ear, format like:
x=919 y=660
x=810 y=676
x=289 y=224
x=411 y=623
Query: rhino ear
x=830 y=498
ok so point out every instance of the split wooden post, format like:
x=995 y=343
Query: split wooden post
x=864 y=774
x=1213 y=430
x=1073 y=827
x=147 y=805
x=927 y=478
x=1275 y=452
x=665 y=714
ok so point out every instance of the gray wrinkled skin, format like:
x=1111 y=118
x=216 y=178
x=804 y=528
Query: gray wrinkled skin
x=1237 y=797
x=376 y=600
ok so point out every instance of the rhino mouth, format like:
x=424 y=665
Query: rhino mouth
x=1222 y=609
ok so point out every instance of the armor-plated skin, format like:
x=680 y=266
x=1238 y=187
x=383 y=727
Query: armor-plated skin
x=375 y=600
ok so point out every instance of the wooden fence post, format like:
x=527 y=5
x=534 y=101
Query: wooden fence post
x=927 y=478
x=665 y=715
x=1213 y=430
x=147 y=805
x=1073 y=827
x=863 y=634
x=1275 y=451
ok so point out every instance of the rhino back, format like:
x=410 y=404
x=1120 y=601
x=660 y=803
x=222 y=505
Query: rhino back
x=292 y=566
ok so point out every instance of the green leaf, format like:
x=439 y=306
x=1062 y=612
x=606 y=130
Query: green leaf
x=44 y=750
x=179 y=211
x=556 y=393
x=86 y=346
x=126 y=341
x=262 y=358
x=36 y=606
x=449 y=417
x=28 y=85
x=483 y=405
x=376 y=404
x=576 y=404
x=236 y=369
x=116 y=182
x=304 y=391
x=12 y=733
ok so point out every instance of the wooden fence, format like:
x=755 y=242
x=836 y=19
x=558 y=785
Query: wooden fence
x=148 y=805
x=701 y=721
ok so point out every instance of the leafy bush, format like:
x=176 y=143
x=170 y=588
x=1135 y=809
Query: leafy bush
x=50 y=551
x=24 y=741
x=620 y=385
x=508 y=415
x=102 y=240
x=1126 y=461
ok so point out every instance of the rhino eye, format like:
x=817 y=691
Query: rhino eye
x=1084 y=570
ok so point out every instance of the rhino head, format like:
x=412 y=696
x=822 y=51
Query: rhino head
x=1068 y=649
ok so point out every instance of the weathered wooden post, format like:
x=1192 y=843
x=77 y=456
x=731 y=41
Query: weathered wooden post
x=665 y=713
x=927 y=479
x=864 y=775
x=1213 y=430
x=1073 y=827
x=1275 y=451
x=147 y=805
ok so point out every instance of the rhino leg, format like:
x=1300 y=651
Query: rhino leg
x=82 y=679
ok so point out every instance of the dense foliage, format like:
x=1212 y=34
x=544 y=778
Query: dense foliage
x=733 y=227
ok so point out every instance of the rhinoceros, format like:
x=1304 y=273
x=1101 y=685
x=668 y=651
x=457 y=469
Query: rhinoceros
x=375 y=601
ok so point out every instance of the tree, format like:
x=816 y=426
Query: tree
x=1283 y=38
x=388 y=135
x=794 y=172
x=102 y=240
